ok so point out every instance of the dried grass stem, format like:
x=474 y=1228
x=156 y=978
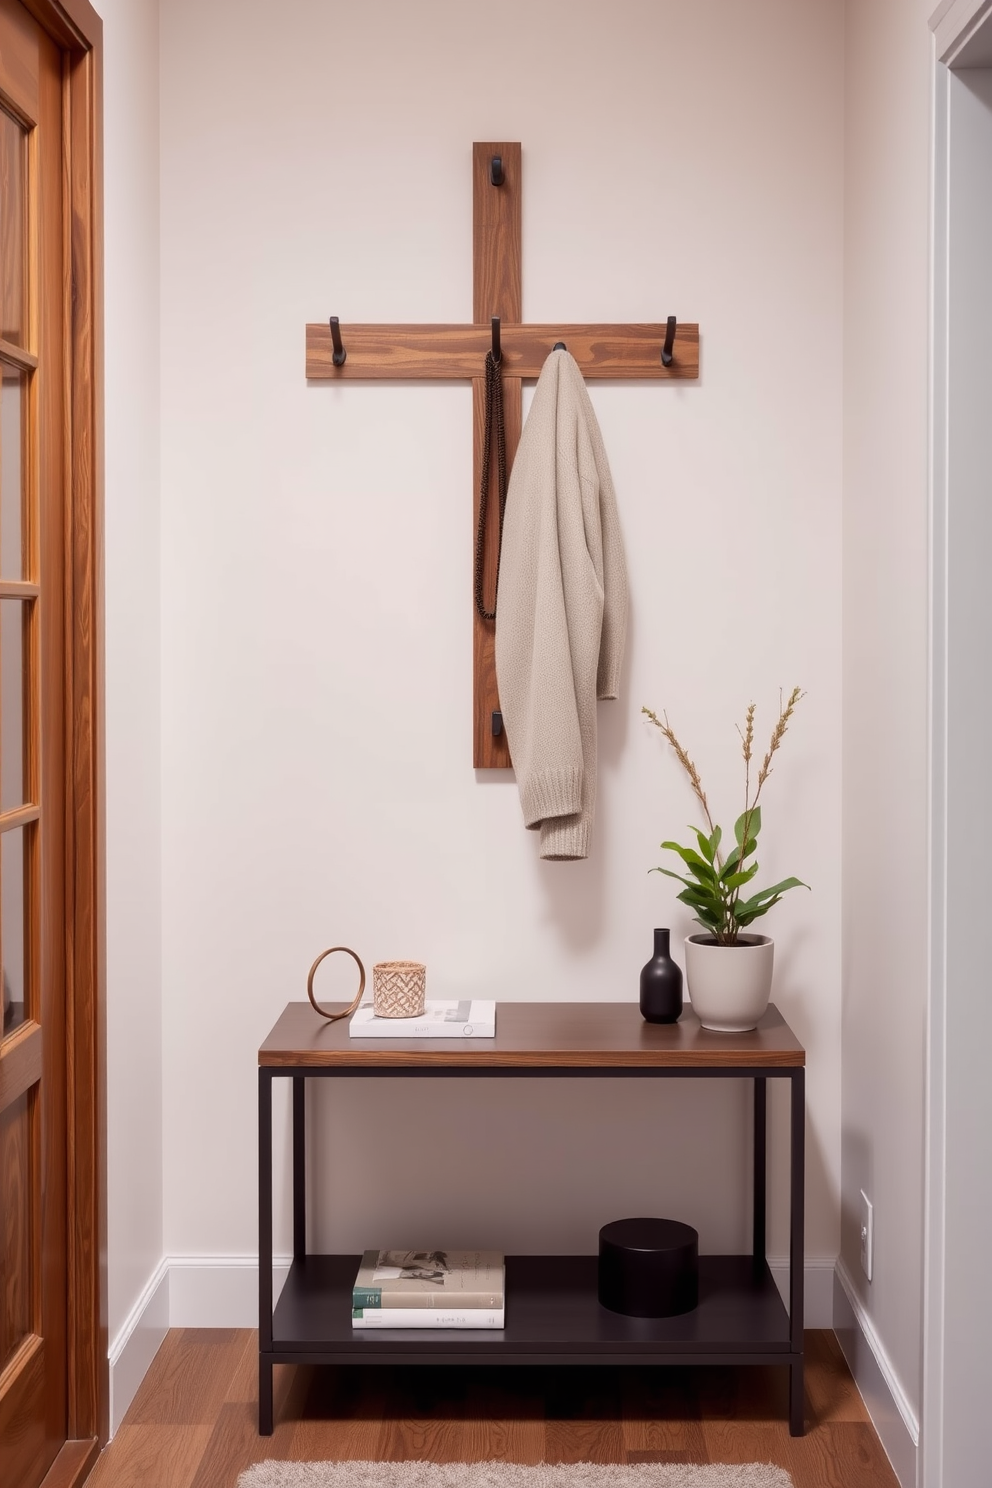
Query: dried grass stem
x=684 y=761
x=786 y=711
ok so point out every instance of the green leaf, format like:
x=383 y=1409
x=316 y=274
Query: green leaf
x=737 y=880
x=753 y=819
x=668 y=872
x=696 y=887
x=692 y=859
x=700 y=901
x=704 y=845
x=745 y=920
x=704 y=891
x=708 y=845
x=737 y=856
x=732 y=868
x=697 y=897
x=703 y=915
x=756 y=904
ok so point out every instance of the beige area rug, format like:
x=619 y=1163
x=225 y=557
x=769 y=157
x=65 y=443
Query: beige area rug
x=509 y=1475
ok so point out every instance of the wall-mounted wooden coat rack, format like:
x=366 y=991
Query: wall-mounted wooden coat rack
x=448 y=352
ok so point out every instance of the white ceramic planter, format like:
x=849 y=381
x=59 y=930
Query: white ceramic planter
x=729 y=986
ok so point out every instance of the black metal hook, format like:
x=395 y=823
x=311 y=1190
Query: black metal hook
x=559 y=346
x=340 y=355
x=497 y=724
x=497 y=353
x=666 y=350
x=496 y=170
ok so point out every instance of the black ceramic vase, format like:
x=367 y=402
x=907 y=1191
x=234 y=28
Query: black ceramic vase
x=661 y=984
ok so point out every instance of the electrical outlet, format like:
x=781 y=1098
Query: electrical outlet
x=867 y=1234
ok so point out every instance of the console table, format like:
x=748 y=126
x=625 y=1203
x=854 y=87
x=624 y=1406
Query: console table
x=553 y=1315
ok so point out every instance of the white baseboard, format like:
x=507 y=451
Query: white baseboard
x=218 y=1291
x=892 y=1415
x=183 y=1292
x=818 y=1290
x=137 y=1343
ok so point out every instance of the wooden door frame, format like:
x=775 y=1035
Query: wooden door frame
x=78 y=31
x=963 y=41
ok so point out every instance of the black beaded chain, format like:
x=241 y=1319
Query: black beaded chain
x=494 y=407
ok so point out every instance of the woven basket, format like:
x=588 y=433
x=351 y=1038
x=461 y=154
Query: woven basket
x=398 y=989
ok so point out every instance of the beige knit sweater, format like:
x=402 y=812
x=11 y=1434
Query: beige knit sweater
x=562 y=614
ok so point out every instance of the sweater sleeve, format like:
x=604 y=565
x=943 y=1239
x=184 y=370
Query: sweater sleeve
x=533 y=653
x=615 y=597
x=562 y=608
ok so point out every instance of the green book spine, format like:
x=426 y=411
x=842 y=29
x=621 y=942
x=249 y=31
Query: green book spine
x=366 y=1297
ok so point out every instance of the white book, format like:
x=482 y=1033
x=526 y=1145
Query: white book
x=434 y=1317
x=461 y=1020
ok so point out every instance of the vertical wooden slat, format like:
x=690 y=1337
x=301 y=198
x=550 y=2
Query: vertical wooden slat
x=497 y=290
x=496 y=236
x=46 y=971
x=16 y=1311
x=87 y=1325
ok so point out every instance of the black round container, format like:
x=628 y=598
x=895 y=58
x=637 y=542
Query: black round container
x=648 y=1267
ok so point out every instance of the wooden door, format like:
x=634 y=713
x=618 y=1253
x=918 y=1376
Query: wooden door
x=34 y=308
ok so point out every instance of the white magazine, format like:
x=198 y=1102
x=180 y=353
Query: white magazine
x=460 y=1020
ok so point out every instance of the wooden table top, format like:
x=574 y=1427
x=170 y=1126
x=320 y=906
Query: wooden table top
x=539 y=1035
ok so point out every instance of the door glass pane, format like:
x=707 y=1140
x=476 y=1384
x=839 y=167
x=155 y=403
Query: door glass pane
x=15 y=1218
x=13 y=404
x=12 y=918
x=13 y=217
x=11 y=704
x=13 y=1013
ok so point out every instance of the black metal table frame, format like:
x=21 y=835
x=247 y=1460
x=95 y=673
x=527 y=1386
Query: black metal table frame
x=268 y=1354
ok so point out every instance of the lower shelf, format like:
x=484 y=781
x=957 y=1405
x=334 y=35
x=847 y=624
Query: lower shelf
x=553 y=1315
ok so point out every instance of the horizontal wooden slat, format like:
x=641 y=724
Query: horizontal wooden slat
x=20 y=1062
x=9 y=820
x=20 y=92
x=448 y=352
x=17 y=589
x=23 y=360
x=69 y=22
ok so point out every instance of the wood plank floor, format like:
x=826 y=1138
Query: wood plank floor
x=193 y=1423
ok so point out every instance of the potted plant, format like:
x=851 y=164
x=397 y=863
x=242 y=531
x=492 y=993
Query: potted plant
x=728 y=969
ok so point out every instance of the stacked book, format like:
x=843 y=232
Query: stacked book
x=429 y=1289
x=469 y=1018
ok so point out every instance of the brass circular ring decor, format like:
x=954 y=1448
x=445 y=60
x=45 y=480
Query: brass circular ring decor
x=333 y=1017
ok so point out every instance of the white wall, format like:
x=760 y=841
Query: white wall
x=316 y=582
x=885 y=924
x=133 y=722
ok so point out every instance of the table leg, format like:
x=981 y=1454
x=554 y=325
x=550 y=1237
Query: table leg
x=265 y=1394
x=760 y=1167
x=299 y=1168
x=797 y=1249
x=264 y=1252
